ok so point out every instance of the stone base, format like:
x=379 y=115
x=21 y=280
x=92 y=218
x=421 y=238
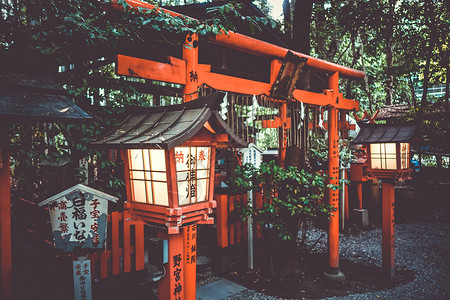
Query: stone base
x=338 y=277
x=360 y=217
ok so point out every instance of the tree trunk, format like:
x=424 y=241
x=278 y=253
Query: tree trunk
x=287 y=19
x=301 y=33
x=413 y=94
x=431 y=23
x=348 y=88
x=447 y=91
x=366 y=77
x=389 y=52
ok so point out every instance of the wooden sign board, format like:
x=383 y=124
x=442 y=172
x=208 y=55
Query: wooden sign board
x=82 y=279
x=79 y=217
x=252 y=155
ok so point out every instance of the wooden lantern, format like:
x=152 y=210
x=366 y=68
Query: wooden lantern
x=388 y=149
x=169 y=155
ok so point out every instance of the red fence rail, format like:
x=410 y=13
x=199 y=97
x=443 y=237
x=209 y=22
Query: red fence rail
x=231 y=231
x=127 y=241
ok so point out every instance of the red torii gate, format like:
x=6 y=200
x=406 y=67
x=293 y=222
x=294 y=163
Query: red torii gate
x=179 y=70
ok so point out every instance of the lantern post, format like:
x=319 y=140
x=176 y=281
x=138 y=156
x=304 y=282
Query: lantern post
x=389 y=161
x=190 y=55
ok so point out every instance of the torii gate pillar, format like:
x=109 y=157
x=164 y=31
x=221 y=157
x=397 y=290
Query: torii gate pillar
x=5 y=217
x=333 y=272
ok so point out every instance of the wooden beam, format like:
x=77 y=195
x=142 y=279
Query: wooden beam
x=174 y=72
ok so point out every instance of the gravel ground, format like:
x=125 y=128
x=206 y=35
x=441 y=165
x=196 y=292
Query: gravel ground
x=422 y=247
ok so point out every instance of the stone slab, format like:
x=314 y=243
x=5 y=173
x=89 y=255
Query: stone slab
x=218 y=290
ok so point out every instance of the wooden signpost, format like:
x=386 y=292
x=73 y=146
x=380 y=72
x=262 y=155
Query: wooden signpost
x=79 y=218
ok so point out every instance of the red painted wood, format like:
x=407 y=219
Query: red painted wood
x=5 y=217
x=190 y=261
x=222 y=220
x=139 y=248
x=126 y=245
x=175 y=71
x=115 y=218
x=171 y=286
x=388 y=238
x=104 y=257
x=346 y=208
x=258 y=203
x=333 y=173
x=172 y=177
x=191 y=76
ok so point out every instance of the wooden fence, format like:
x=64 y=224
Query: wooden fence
x=230 y=229
x=124 y=251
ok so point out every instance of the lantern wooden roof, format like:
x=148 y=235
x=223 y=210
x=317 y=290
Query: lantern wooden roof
x=380 y=133
x=165 y=127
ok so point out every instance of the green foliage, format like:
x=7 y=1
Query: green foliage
x=360 y=34
x=290 y=196
x=84 y=36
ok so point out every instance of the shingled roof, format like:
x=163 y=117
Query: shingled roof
x=165 y=127
x=380 y=133
x=35 y=96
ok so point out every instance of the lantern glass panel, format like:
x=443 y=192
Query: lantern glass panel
x=404 y=152
x=148 y=178
x=139 y=193
x=161 y=194
x=383 y=156
x=192 y=165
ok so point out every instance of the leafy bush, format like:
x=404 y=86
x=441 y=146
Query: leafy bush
x=291 y=196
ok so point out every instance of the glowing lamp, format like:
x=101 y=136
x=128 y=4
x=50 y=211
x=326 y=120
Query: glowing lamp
x=388 y=149
x=169 y=155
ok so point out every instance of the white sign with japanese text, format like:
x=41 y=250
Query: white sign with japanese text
x=79 y=218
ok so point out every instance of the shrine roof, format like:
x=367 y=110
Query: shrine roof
x=380 y=133
x=35 y=96
x=165 y=127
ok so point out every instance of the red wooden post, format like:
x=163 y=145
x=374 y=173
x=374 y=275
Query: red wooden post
x=388 y=239
x=190 y=55
x=115 y=218
x=139 y=245
x=126 y=244
x=259 y=203
x=222 y=220
x=171 y=286
x=333 y=173
x=190 y=261
x=359 y=193
x=5 y=216
x=282 y=134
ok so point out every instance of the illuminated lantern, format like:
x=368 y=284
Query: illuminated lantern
x=388 y=155
x=169 y=154
x=388 y=149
